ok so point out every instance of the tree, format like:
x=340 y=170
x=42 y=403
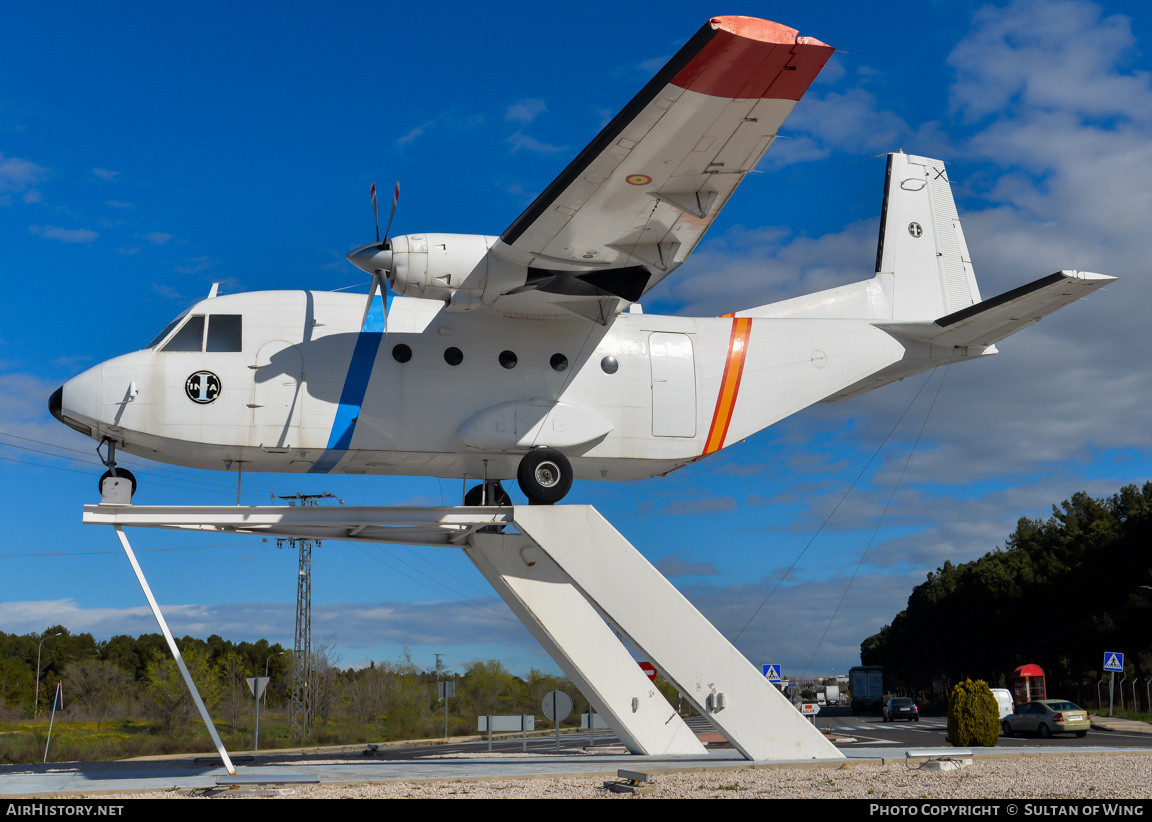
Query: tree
x=166 y=694
x=487 y=686
x=236 y=697
x=100 y=689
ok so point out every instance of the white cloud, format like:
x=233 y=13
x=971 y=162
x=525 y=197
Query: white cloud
x=519 y=140
x=652 y=65
x=195 y=265
x=118 y=204
x=525 y=111
x=18 y=174
x=158 y=237
x=67 y=235
x=354 y=625
x=414 y=134
x=1055 y=55
x=105 y=174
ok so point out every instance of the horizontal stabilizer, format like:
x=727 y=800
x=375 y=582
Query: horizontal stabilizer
x=986 y=323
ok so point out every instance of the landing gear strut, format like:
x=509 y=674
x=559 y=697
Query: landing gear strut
x=120 y=474
x=496 y=494
x=545 y=476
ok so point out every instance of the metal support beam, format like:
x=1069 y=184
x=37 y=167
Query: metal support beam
x=175 y=652
x=575 y=635
x=683 y=645
x=562 y=574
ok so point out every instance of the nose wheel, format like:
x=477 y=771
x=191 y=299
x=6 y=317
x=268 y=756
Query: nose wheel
x=545 y=476
x=122 y=476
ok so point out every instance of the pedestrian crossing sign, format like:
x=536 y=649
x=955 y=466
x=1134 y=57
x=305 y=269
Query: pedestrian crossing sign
x=1113 y=661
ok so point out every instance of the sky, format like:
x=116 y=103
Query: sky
x=146 y=153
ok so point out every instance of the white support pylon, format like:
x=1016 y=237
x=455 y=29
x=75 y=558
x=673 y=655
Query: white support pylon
x=576 y=636
x=721 y=684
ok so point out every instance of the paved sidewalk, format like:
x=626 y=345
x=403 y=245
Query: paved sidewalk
x=1115 y=723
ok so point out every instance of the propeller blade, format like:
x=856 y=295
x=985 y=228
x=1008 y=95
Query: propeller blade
x=376 y=212
x=368 y=305
x=395 y=200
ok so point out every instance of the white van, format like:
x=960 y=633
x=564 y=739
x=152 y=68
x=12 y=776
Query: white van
x=1004 y=700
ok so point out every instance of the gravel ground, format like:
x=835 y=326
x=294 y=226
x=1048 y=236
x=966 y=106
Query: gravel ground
x=1119 y=776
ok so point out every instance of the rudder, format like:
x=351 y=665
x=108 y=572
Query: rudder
x=922 y=261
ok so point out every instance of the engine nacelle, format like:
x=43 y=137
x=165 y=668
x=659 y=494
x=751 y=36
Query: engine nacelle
x=445 y=267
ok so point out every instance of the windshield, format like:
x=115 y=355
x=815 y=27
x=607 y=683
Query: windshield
x=168 y=329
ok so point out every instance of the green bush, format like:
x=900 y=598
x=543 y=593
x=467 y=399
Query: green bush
x=973 y=716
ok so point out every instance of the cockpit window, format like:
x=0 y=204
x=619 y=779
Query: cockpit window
x=168 y=328
x=190 y=337
x=225 y=332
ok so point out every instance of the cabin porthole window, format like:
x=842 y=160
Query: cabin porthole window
x=558 y=362
x=401 y=353
x=508 y=359
x=453 y=356
x=610 y=364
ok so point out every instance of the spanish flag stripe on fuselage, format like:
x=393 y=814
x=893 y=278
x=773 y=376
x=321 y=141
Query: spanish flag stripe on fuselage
x=730 y=385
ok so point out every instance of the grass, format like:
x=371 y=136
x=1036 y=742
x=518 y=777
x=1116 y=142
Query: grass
x=23 y=741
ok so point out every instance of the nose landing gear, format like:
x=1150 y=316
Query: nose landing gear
x=123 y=484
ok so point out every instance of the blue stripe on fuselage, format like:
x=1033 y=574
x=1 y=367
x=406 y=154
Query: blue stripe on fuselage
x=355 y=387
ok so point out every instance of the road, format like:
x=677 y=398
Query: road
x=929 y=732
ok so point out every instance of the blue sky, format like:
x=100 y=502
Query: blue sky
x=145 y=154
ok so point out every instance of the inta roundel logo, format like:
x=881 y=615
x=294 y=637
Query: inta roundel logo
x=638 y=179
x=202 y=387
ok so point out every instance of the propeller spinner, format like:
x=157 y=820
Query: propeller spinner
x=376 y=258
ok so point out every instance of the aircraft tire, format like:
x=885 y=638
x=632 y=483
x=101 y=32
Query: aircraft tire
x=545 y=476
x=120 y=472
x=496 y=495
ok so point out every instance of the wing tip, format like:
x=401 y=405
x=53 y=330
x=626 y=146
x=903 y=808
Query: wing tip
x=764 y=31
x=1087 y=275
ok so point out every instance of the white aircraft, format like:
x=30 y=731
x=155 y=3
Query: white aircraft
x=527 y=354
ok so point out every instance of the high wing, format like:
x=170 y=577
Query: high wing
x=633 y=205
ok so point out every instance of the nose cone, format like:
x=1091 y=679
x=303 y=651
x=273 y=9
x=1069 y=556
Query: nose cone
x=75 y=403
x=372 y=258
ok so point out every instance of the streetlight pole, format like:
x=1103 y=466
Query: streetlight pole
x=267 y=662
x=36 y=696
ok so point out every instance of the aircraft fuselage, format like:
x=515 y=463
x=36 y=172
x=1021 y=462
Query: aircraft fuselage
x=286 y=381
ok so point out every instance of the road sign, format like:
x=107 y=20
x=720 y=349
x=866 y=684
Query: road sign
x=772 y=672
x=257 y=684
x=1113 y=661
x=649 y=670
x=557 y=705
x=809 y=708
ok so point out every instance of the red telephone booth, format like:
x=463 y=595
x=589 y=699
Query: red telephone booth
x=1028 y=684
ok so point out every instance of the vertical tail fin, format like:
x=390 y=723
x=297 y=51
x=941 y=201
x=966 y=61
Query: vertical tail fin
x=922 y=260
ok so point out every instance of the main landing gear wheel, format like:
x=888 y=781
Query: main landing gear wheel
x=496 y=495
x=121 y=473
x=545 y=476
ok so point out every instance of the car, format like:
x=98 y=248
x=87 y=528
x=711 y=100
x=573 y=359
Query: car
x=901 y=707
x=1004 y=700
x=1045 y=717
